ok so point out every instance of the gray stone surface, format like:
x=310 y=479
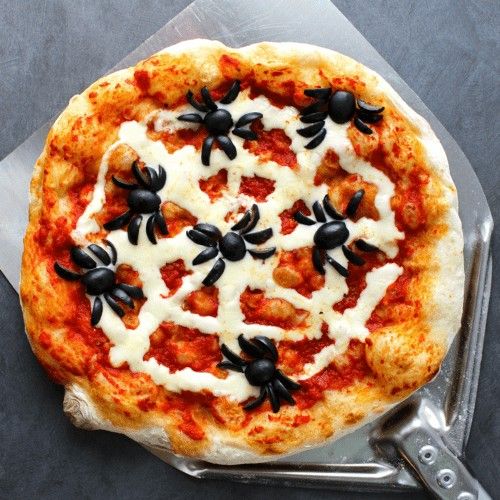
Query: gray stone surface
x=447 y=51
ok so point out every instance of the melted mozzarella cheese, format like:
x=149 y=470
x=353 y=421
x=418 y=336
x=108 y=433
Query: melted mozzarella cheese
x=184 y=171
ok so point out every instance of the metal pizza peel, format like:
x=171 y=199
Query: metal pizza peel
x=414 y=432
x=386 y=455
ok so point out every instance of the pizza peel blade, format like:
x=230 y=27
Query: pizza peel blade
x=414 y=431
x=15 y=175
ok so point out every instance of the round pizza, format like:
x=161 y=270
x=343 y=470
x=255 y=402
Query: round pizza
x=236 y=254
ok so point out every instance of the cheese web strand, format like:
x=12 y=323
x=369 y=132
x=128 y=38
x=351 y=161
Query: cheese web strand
x=184 y=170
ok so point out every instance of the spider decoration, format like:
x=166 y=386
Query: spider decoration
x=341 y=107
x=334 y=233
x=261 y=371
x=232 y=245
x=218 y=122
x=100 y=280
x=142 y=200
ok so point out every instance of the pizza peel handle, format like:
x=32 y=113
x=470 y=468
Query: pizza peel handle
x=412 y=430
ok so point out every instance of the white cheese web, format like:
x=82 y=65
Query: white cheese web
x=184 y=170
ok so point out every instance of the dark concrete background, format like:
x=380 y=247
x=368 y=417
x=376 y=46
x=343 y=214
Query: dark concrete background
x=447 y=50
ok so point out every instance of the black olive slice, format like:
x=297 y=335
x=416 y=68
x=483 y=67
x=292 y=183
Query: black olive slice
x=114 y=254
x=273 y=397
x=114 y=305
x=313 y=108
x=249 y=347
x=262 y=254
x=248 y=135
x=341 y=106
x=317 y=140
x=282 y=391
x=314 y=117
x=352 y=257
x=317 y=258
x=318 y=212
x=365 y=247
x=338 y=267
x=215 y=273
x=133 y=229
x=100 y=253
x=207 y=99
x=322 y=93
x=257 y=401
x=233 y=357
x=66 y=274
x=362 y=127
x=369 y=108
x=259 y=237
x=150 y=229
x=206 y=150
x=123 y=184
x=82 y=258
x=369 y=117
x=243 y=221
x=268 y=345
x=227 y=146
x=160 y=223
x=195 y=103
x=96 y=311
x=200 y=238
x=139 y=175
x=134 y=291
x=208 y=229
x=121 y=295
x=227 y=365
x=354 y=202
x=303 y=219
x=290 y=384
x=330 y=209
x=248 y=118
x=311 y=130
x=232 y=93
x=118 y=222
x=254 y=219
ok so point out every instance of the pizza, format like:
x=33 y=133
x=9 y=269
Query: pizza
x=238 y=254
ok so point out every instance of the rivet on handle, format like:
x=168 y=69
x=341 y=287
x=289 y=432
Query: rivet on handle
x=446 y=478
x=427 y=454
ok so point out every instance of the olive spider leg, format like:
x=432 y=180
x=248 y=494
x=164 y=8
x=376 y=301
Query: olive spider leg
x=246 y=119
x=257 y=401
x=232 y=93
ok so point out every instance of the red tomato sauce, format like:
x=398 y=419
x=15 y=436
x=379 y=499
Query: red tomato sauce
x=294 y=355
x=333 y=378
x=288 y=223
x=204 y=302
x=172 y=275
x=184 y=405
x=257 y=187
x=215 y=185
x=272 y=145
x=257 y=308
x=180 y=347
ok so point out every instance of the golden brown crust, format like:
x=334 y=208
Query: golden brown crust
x=401 y=356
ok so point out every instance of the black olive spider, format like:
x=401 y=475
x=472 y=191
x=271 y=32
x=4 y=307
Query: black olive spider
x=341 y=107
x=218 y=122
x=99 y=279
x=334 y=234
x=231 y=245
x=261 y=371
x=143 y=199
